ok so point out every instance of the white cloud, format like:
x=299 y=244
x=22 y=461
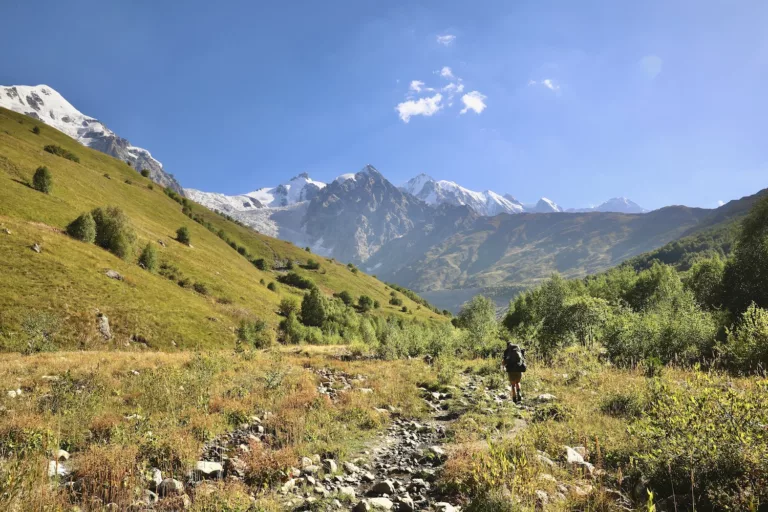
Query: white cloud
x=651 y=65
x=416 y=85
x=421 y=107
x=446 y=72
x=473 y=100
x=446 y=40
x=547 y=82
x=453 y=88
x=720 y=202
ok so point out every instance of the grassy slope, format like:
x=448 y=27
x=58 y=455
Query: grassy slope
x=68 y=277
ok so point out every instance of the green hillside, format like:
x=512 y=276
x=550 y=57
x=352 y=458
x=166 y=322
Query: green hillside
x=67 y=279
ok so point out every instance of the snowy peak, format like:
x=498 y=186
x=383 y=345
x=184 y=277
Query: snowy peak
x=45 y=104
x=298 y=189
x=435 y=192
x=545 y=205
x=616 y=205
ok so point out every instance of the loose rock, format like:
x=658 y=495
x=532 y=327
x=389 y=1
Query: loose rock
x=112 y=274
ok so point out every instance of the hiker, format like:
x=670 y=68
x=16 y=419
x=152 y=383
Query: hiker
x=514 y=363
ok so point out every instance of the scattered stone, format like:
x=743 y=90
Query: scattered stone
x=170 y=487
x=542 y=499
x=306 y=461
x=6 y=231
x=437 y=452
x=384 y=487
x=351 y=468
x=368 y=477
x=380 y=503
x=154 y=478
x=288 y=486
x=546 y=397
x=365 y=391
x=362 y=506
x=406 y=504
x=61 y=455
x=104 y=329
x=161 y=242
x=311 y=470
x=442 y=506
x=330 y=465
x=547 y=477
x=208 y=470
x=36 y=247
x=14 y=393
x=574 y=458
x=580 y=450
x=113 y=274
x=347 y=491
x=56 y=468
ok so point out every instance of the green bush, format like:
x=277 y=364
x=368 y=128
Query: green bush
x=287 y=306
x=114 y=231
x=313 y=308
x=59 y=151
x=36 y=130
x=297 y=281
x=622 y=405
x=254 y=333
x=396 y=301
x=272 y=286
x=312 y=265
x=365 y=303
x=261 y=264
x=83 y=228
x=705 y=443
x=200 y=288
x=148 y=258
x=345 y=297
x=145 y=173
x=42 y=181
x=183 y=236
x=747 y=346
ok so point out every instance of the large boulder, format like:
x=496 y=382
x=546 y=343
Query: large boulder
x=205 y=470
x=170 y=487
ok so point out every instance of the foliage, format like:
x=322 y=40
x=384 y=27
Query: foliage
x=59 y=151
x=747 y=346
x=313 y=308
x=42 y=181
x=200 y=288
x=145 y=173
x=114 y=231
x=272 y=286
x=365 y=303
x=83 y=228
x=261 y=264
x=254 y=333
x=297 y=281
x=345 y=297
x=706 y=443
x=396 y=301
x=39 y=331
x=287 y=306
x=148 y=257
x=36 y=130
x=478 y=317
x=183 y=236
x=705 y=280
x=312 y=264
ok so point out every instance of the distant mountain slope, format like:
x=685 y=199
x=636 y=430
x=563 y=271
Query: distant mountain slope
x=45 y=104
x=67 y=279
x=616 y=204
x=462 y=251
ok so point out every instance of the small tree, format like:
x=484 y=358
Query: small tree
x=183 y=236
x=272 y=286
x=42 y=181
x=376 y=304
x=345 y=297
x=200 y=288
x=365 y=303
x=313 y=308
x=36 y=130
x=145 y=173
x=287 y=306
x=83 y=228
x=261 y=264
x=148 y=258
x=114 y=231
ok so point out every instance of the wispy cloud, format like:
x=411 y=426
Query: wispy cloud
x=547 y=82
x=421 y=107
x=473 y=100
x=720 y=202
x=446 y=39
x=416 y=85
x=651 y=66
x=446 y=72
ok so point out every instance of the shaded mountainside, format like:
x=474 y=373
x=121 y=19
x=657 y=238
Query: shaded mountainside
x=68 y=278
x=459 y=252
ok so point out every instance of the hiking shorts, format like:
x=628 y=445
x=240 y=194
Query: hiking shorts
x=515 y=377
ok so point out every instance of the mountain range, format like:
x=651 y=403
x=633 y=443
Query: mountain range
x=434 y=236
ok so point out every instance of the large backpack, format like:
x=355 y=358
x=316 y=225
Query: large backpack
x=515 y=359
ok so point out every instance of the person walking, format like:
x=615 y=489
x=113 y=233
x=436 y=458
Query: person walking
x=514 y=364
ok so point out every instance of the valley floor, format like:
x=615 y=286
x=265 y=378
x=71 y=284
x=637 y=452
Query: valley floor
x=304 y=429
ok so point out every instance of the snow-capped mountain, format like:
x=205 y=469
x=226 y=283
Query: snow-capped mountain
x=616 y=204
x=45 y=104
x=544 y=205
x=298 y=189
x=437 y=192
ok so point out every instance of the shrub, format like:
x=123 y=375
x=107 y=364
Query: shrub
x=148 y=258
x=261 y=264
x=83 y=228
x=396 y=301
x=289 y=264
x=242 y=250
x=200 y=288
x=297 y=281
x=254 y=333
x=114 y=231
x=185 y=282
x=150 y=186
x=287 y=306
x=345 y=297
x=376 y=304
x=404 y=309
x=59 y=151
x=145 y=173
x=39 y=331
x=272 y=286
x=128 y=182
x=312 y=265
x=622 y=405
x=365 y=303
x=747 y=347
x=36 y=130
x=42 y=181
x=313 y=308
x=183 y=236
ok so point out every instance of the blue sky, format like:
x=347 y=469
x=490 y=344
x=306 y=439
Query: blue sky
x=663 y=101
